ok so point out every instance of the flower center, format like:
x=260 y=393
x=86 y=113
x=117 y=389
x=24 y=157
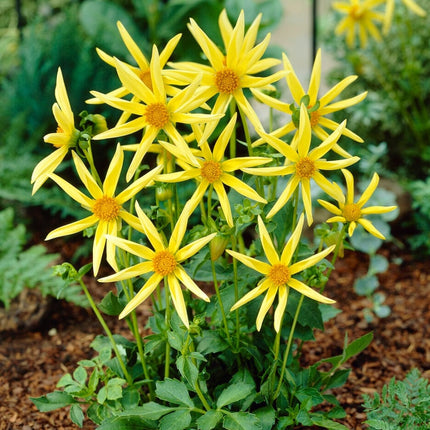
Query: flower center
x=351 y=212
x=315 y=117
x=227 y=81
x=279 y=274
x=356 y=12
x=106 y=208
x=157 y=115
x=145 y=77
x=164 y=262
x=305 y=168
x=211 y=171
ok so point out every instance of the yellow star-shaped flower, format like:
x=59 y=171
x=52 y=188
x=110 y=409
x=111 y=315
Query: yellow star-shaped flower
x=142 y=71
x=352 y=212
x=154 y=109
x=410 y=4
x=304 y=164
x=65 y=138
x=106 y=207
x=359 y=17
x=229 y=74
x=318 y=107
x=212 y=170
x=164 y=261
x=278 y=274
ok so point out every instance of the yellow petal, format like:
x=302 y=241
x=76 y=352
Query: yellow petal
x=308 y=291
x=74 y=227
x=280 y=309
x=265 y=305
x=291 y=245
x=193 y=247
x=261 y=288
x=186 y=280
x=310 y=261
x=266 y=242
x=142 y=295
x=259 y=266
x=178 y=298
x=150 y=230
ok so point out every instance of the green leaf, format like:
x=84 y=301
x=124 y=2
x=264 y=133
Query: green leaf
x=356 y=346
x=366 y=285
x=209 y=420
x=211 y=342
x=54 y=400
x=327 y=423
x=377 y=425
x=110 y=305
x=187 y=369
x=338 y=379
x=149 y=411
x=127 y=423
x=173 y=391
x=178 y=420
x=234 y=393
x=267 y=417
x=241 y=421
x=93 y=381
x=378 y=264
x=80 y=375
x=65 y=380
x=76 y=415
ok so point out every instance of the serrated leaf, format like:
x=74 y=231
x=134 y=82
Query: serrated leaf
x=241 y=421
x=127 y=423
x=65 y=380
x=234 y=393
x=178 y=420
x=338 y=379
x=54 y=400
x=110 y=305
x=209 y=420
x=76 y=415
x=211 y=342
x=187 y=369
x=267 y=417
x=173 y=391
x=377 y=425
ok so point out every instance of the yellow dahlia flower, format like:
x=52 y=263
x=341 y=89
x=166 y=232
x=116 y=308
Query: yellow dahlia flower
x=229 y=74
x=318 y=107
x=278 y=274
x=155 y=111
x=142 y=71
x=65 y=137
x=304 y=164
x=164 y=261
x=106 y=207
x=353 y=213
x=359 y=18
x=212 y=170
x=410 y=4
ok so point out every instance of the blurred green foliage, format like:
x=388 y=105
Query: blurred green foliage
x=396 y=72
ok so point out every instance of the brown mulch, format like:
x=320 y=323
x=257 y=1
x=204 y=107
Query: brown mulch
x=32 y=360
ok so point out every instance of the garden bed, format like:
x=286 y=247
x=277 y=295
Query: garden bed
x=32 y=361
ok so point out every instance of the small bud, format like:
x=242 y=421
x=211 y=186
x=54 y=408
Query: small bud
x=217 y=246
x=99 y=124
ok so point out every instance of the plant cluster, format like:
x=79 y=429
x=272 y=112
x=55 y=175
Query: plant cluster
x=402 y=405
x=207 y=226
x=16 y=258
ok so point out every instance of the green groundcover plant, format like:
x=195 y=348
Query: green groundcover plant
x=206 y=226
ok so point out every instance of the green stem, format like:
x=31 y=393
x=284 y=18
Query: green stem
x=89 y=154
x=221 y=305
x=107 y=331
x=233 y=134
x=236 y=290
x=339 y=243
x=271 y=377
x=288 y=348
x=167 y=321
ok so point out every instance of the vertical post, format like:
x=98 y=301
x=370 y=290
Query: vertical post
x=314 y=29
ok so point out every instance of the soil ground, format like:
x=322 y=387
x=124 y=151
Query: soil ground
x=33 y=359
